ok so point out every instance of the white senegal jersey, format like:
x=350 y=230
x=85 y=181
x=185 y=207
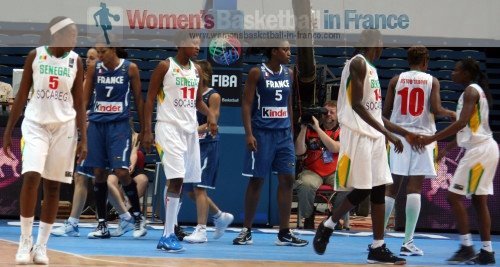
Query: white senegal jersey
x=52 y=101
x=372 y=100
x=477 y=129
x=177 y=99
x=412 y=103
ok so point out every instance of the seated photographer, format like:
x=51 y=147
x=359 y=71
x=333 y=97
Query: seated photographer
x=318 y=144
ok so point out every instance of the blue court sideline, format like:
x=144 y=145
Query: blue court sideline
x=345 y=247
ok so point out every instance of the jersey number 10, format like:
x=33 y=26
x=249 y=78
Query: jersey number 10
x=412 y=102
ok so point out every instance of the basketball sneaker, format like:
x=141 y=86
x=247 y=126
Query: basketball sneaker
x=409 y=249
x=199 y=235
x=139 y=226
x=289 y=239
x=101 y=231
x=179 y=232
x=321 y=238
x=123 y=227
x=170 y=244
x=23 y=255
x=485 y=257
x=384 y=256
x=67 y=229
x=221 y=224
x=244 y=238
x=465 y=254
x=40 y=255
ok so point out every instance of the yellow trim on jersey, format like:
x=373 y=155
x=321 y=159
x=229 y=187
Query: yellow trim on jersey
x=475 y=175
x=161 y=95
x=160 y=150
x=475 y=119
x=348 y=89
x=22 y=145
x=388 y=149
x=343 y=169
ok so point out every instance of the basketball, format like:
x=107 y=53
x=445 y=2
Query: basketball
x=116 y=17
x=225 y=50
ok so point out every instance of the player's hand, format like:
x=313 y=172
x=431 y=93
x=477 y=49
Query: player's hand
x=81 y=151
x=212 y=124
x=251 y=142
x=413 y=140
x=131 y=168
x=7 y=144
x=398 y=145
x=425 y=139
x=147 y=141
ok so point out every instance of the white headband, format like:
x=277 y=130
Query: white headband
x=61 y=24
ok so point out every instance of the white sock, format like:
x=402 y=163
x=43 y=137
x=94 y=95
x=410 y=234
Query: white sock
x=43 y=233
x=389 y=205
x=486 y=245
x=217 y=215
x=171 y=210
x=125 y=216
x=26 y=226
x=412 y=212
x=329 y=223
x=377 y=243
x=466 y=240
x=73 y=221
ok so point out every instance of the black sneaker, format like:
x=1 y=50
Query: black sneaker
x=101 y=231
x=244 y=238
x=321 y=238
x=383 y=255
x=464 y=255
x=484 y=257
x=289 y=239
x=179 y=232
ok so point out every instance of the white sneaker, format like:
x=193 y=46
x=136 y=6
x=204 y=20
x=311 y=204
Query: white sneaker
x=23 y=255
x=409 y=249
x=40 y=255
x=199 y=235
x=221 y=224
x=67 y=229
x=123 y=227
x=139 y=226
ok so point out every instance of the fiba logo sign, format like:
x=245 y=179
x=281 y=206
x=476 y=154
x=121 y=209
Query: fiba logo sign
x=225 y=50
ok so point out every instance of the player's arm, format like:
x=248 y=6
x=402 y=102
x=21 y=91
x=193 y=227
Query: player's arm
x=133 y=152
x=246 y=106
x=357 y=70
x=436 y=106
x=135 y=83
x=19 y=102
x=214 y=107
x=471 y=97
x=389 y=98
x=290 y=101
x=155 y=84
x=203 y=108
x=79 y=106
x=88 y=84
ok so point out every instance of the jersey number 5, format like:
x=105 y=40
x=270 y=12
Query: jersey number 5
x=412 y=102
x=53 y=82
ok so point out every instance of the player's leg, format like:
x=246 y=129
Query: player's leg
x=391 y=193
x=127 y=222
x=412 y=211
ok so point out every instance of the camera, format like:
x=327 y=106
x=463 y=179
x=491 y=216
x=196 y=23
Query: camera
x=307 y=114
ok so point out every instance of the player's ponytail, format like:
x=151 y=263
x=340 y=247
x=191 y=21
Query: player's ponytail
x=471 y=66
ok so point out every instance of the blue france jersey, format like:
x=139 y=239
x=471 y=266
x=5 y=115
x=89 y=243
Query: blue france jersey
x=111 y=100
x=202 y=119
x=270 y=106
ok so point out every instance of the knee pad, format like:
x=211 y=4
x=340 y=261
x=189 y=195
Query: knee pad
x=378 y=195
x=358 y=195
